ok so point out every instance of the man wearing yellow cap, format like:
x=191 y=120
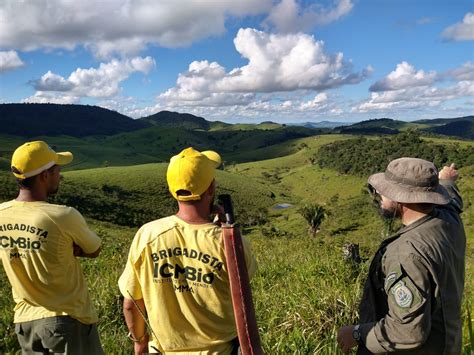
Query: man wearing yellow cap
x=176 y=269
x=39 y=243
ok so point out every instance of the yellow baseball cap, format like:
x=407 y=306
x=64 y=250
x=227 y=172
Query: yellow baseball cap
x=192 y=171
x=32 y=158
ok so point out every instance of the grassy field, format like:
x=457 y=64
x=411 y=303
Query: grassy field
x=303 y=290
x=157 y=144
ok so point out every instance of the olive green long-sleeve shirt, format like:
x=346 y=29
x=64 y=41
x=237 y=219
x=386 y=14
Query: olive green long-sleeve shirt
x=412 y=296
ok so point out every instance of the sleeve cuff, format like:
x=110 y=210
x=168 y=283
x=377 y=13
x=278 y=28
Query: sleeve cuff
x=369 y=338
x=93 y=246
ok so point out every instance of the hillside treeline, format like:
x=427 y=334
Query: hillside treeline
x=30 y=120
x=362 y=156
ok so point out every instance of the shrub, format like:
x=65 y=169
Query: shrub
x=314 y=214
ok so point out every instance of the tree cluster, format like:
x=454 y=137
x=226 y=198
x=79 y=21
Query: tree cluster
x=362 y=156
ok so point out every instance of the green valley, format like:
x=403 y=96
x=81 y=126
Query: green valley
x=304 y=289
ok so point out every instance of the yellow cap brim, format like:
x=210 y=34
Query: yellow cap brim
x=213 y=156
x=64 y=158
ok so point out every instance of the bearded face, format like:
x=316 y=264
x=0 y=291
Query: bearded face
x=54 y=178
x=389 y=208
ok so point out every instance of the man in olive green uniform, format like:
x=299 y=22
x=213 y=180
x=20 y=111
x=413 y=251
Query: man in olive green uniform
x=412 y=296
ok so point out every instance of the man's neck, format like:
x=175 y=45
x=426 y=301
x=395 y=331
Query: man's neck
x=193 y=214
x=26 y=195
x=411 y=216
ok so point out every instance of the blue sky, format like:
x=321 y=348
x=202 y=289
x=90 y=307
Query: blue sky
x=243 y=61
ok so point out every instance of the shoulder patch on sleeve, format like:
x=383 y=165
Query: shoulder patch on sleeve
x=392 y=277
x=402 y=295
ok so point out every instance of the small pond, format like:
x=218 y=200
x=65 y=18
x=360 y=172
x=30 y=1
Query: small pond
x=282 y=206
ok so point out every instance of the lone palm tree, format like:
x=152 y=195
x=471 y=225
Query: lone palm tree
x=314 y=214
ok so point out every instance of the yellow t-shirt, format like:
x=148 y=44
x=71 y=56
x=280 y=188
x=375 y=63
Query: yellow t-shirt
x=36 y=248
x=180 y=272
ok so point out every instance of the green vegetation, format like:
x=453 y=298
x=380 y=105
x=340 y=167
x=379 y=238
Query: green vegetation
x=314 y=214
x=177 y=120
x=158 y=144
x=74 y=120
x=134 y=195
x=362 y=156
x=303 y=290
x=462 y=127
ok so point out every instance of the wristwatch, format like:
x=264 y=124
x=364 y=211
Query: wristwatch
x=356 y=334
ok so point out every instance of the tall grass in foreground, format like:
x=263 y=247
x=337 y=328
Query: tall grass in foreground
x=303 y=292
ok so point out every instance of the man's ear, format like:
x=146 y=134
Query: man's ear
x=43 y=176
x=401 y=207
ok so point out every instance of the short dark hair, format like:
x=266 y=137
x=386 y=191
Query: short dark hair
x=29 y=182
x=183 y=193
x=26 y=183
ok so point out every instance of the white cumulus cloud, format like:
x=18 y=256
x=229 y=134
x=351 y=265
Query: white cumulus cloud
x=109 y=27
x=463 y=73
x=319 y=102
x=406 y=88
x=404 y=76
x=462 y=31
x=101 y=82
x=276 y=63
x=278 y=107
x=44 y=97
x=290 y=17
x=9 y=60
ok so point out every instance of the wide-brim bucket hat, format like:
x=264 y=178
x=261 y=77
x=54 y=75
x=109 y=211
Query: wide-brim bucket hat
x=410 y=180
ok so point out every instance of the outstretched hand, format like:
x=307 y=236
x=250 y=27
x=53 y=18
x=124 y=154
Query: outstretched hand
x=448 y=173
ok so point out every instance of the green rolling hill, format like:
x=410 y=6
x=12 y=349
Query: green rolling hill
x=167 y=119
x=303 y=289
x=29 y=120
x=460 y=127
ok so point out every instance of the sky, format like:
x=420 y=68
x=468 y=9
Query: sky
x=243 y=61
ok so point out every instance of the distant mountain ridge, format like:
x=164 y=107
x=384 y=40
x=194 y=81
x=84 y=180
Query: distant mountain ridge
x=171 y=119
x=373 y=126
x=30 y=120
x=321 y=124
x=461 y=127
x=446 y=120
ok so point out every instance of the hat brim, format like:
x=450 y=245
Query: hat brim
x=214 y=157
x=64 y=158
x=408 y=194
